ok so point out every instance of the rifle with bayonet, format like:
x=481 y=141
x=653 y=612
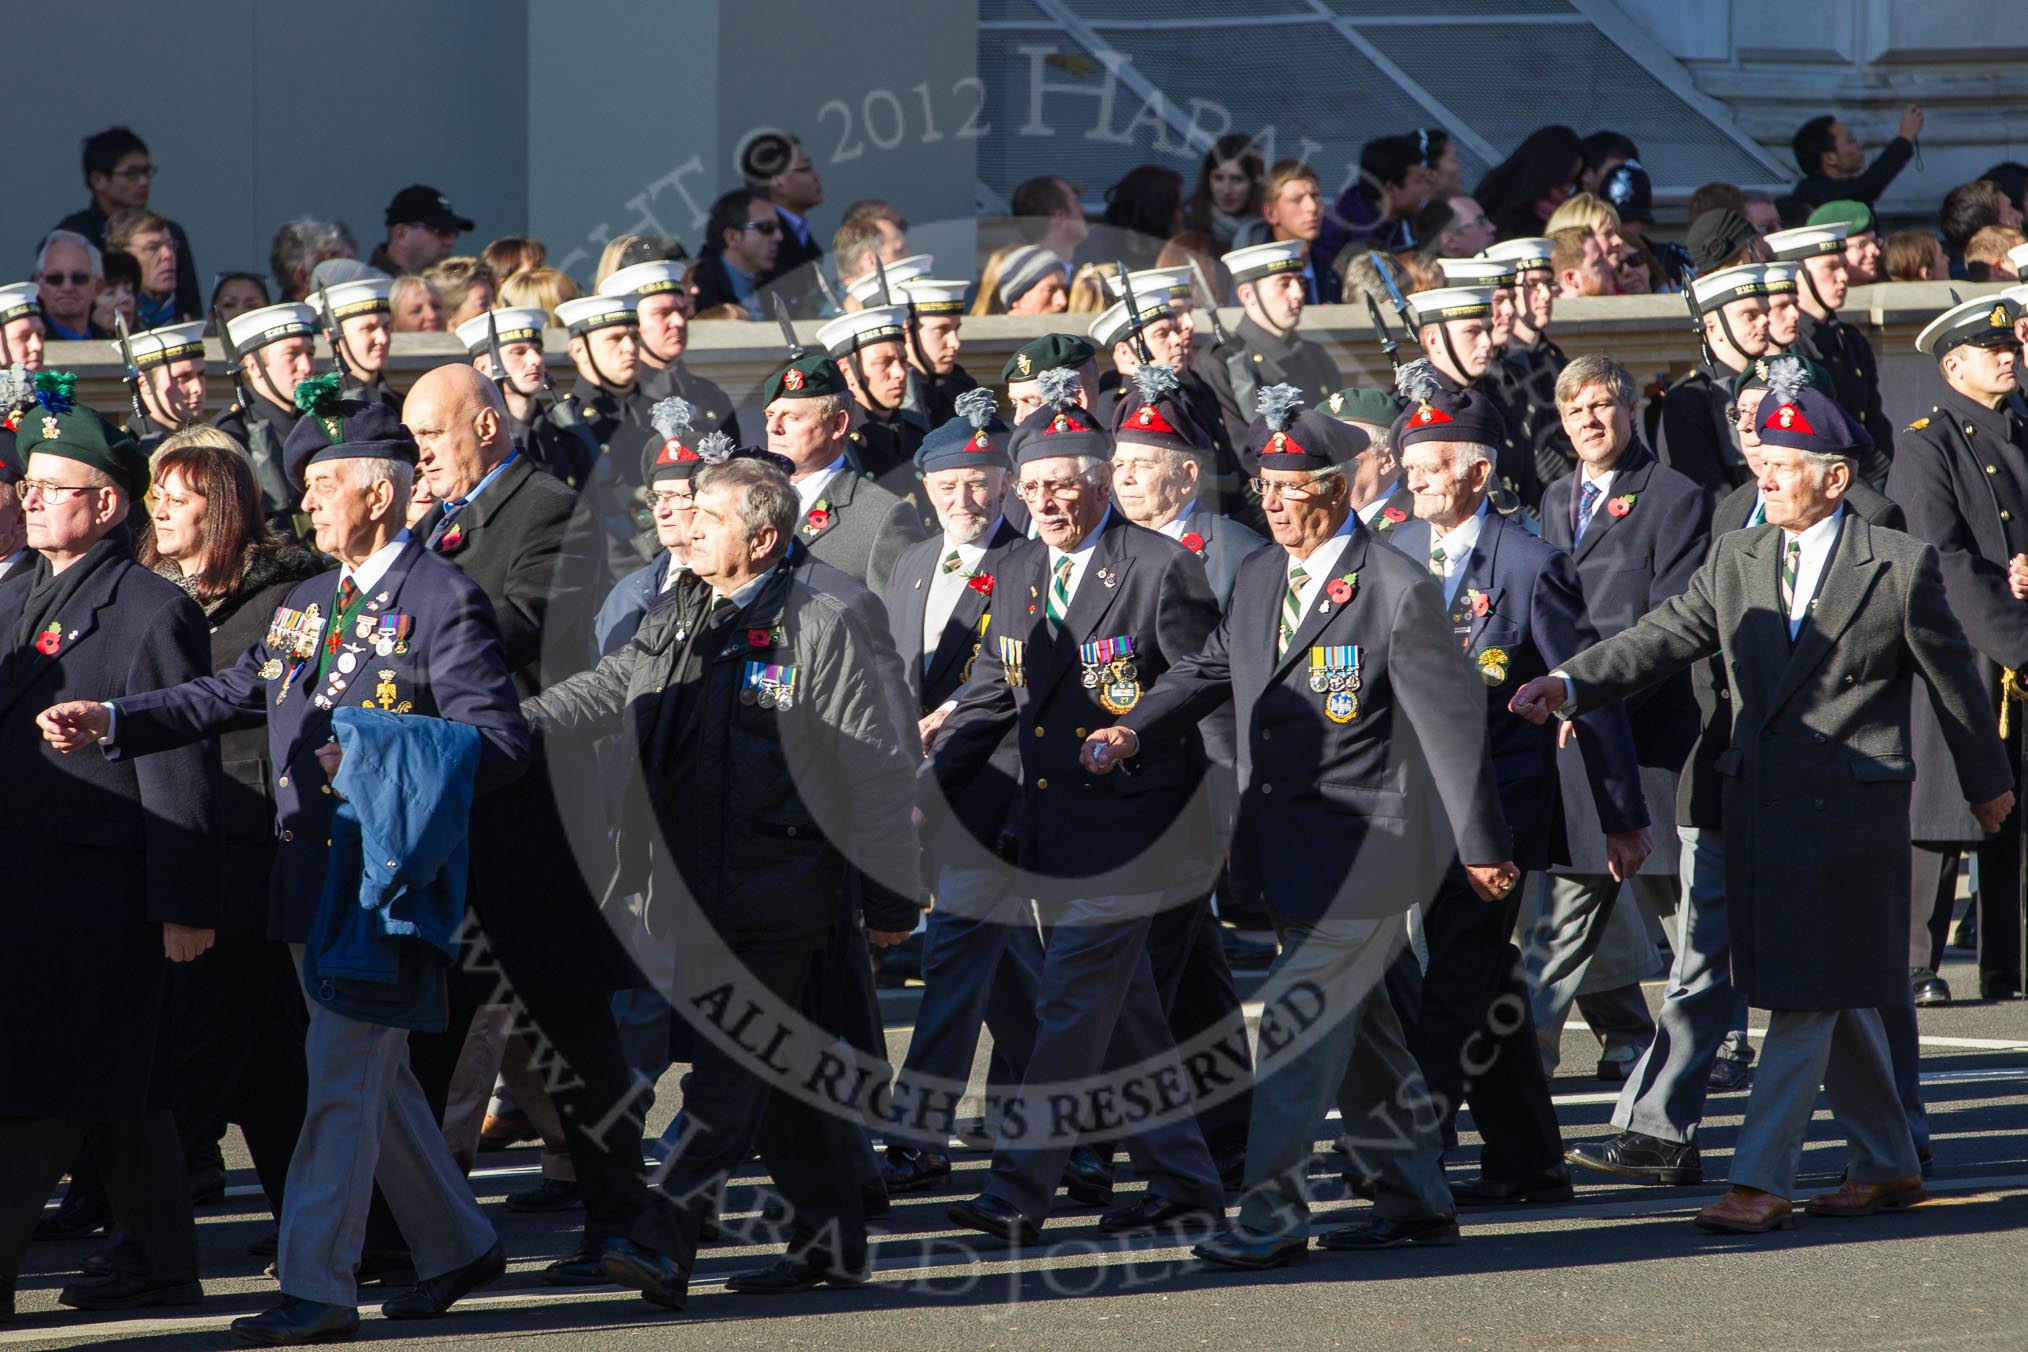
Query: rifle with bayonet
x=1133 y=316
x=133 y=375
x=1218 y=333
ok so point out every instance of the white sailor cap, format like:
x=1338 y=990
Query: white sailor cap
x=1169 y=283
x=1115 y=326
x=1717 y=289
x=2017 y=294
x=1451 y=302
x=647 y=279
x=270 y=324
x=1778 y=279
x=1261 y=260
x=1983 y=321
x=866 y=290
x=368 y=295
x=1807 y=241
x=1493 y=272
x=1527 y=255
x=600 y=311
x=171 y=342
x=2018 y=256
x=18 y=299
x=516 y=324
x=934 y=296
x=848 y=333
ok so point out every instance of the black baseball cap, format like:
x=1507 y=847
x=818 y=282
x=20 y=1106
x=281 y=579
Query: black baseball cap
x=425 y=206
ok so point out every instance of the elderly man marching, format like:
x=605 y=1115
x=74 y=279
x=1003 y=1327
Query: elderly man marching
x=1826 y=624
x=1365 y=773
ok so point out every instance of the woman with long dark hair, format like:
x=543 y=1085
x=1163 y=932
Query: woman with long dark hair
x=1141 y=211
x=1228 y=189
x=1523 y=190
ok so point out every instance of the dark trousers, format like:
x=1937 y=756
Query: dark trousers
x=141 y=1160
x=1475 y=1037
x=728 y=1111
x=1198 y=995
x=2000 y=900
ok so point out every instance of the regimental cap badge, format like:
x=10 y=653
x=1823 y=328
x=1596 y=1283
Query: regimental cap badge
x=1021 y=362
x=1418 y=381
x=50 y=430
x=1998 y=318
x=792 y=379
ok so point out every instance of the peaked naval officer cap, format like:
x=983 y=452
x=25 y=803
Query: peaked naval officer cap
x=934 y=295
x=643 y=280
x=1779 y=279
x=1262 y=260
x=1527 y=255
x=517 y=324
x=1150 y=412
x=1115 y=325
x=270 y=324
x=975 y=438
x=1718 y=289
x=1061 y=426
x=1451 y=302
x=850 y=333
x=336 y=428
x=1286 y=436
x=1987 y=321
x=1046 y=353
x=1800 y=417
x=18 y=299
x=367 y=295
x=1171 y=283
x=810 y=376
x=2017 y=294
x=52 y=422
x=171 y=342
x=1806 y=241
x=1493 y=272
x=602 y=311
x=866 y=290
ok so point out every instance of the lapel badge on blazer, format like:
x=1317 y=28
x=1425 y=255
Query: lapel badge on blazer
x=1334 y=674
x=1109 y=577
x=386 y=697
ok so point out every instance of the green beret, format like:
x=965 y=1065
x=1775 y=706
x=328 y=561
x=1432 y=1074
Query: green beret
x=1050 y=350
x=1754 y=377
x=1856 y=217
x=1355 y=404
x=56 y=424
x=810 y=376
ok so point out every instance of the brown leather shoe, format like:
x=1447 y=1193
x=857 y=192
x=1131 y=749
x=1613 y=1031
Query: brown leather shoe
x=1747 y=1211
x=1863 y=1199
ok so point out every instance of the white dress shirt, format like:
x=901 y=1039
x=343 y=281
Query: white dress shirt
x=1817 y=542
x=368 y=574
x=1457 y=547
x=1080 y=561
x=1319 y=563
x=947 y=589
x=810 y=489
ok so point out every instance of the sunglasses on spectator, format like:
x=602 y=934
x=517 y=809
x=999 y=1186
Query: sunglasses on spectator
x=66 y=278
x=133 y=172
x=765 y=227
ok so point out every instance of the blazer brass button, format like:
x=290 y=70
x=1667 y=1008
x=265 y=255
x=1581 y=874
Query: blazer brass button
x=1082 y=734
x=1992 y=469
x=1267 y=788
x=283 y=782
x=1267 y=734
x=792 y=831
x=2006 y=515
x=288 y=836
x=1038 y=730
x=1041 y=783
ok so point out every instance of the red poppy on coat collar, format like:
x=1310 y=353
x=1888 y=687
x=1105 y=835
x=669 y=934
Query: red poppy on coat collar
x=1192 y=541
x=982 y=584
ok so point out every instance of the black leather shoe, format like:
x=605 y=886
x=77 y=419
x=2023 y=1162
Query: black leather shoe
x=551 y=1194
x=294 y=1322
x=1153 y=1213
x=125 y=1291
x=1931 y=991
x=1229 y=1158
x=582 y=1266
x=1729 y=1075
x=1088 y=1178
x=1614 y=1072
x=907 y=1168
x=787 y=1275
x=74 y=1218
x=434 y=1296
x=388 y=1267
x=1392 y=1233
x=1251 y=1253
x=1650 y=1159
x=989 y=1215
x=655 y=1275
x=1553 y=1186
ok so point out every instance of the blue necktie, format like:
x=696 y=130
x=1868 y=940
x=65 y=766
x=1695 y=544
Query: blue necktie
x=1586 y=505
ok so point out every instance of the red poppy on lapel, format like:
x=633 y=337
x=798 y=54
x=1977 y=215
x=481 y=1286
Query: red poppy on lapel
x=49 y=640
x=451 y=539
x=1620 y=505
x=982 y=584
x=1193 y=542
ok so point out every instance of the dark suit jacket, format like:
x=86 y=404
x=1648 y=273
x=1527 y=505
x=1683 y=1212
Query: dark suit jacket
x=1699 y=800
x=1628 y=565
x=864 y=530
x=1535 y=616
x=453 y=669
x=1251 y=360
x=1221 y=545
x=1359 y=818
x=1696 y=440
x=1818 y=776
x=1855 y=370
x=100 y=851
x=1144 y=830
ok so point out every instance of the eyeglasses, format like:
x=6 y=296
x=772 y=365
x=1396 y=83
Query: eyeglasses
x=134 y=171
x=1739 y=415
x=66 y=278
x=1034 y=490
x=677 y=500
x=765 y=227
x=1263 y=489
x=49 y=489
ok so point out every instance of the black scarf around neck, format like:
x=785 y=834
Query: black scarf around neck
x=50 y=592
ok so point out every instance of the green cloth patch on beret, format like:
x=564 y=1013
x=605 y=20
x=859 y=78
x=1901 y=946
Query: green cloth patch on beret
x=56 y=424
x=1048 y=351
x=810 y=376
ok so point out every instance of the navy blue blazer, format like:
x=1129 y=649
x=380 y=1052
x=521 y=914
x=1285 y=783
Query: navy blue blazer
x=453 y=669
x=1534 y=617
x=1358 y=818
x=1221 y=545
x=1145 y=830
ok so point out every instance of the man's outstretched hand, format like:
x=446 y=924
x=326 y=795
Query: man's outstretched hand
x=1539 y=699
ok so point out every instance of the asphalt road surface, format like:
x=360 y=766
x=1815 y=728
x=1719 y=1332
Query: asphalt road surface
x=1621 y=1267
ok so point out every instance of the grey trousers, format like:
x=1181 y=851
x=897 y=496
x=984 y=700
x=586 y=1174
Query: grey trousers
x=1355 y=1056
x=1558 y=949
x=1099 y=1020
x=1844 y=1051
x=367 y=1121
x=1703 y=1017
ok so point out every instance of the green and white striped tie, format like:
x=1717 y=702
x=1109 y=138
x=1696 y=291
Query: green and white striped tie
x=1292 y=610
x=953 y=561
x=1436 y=562
x=1791 y=558
x=1059 y=595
